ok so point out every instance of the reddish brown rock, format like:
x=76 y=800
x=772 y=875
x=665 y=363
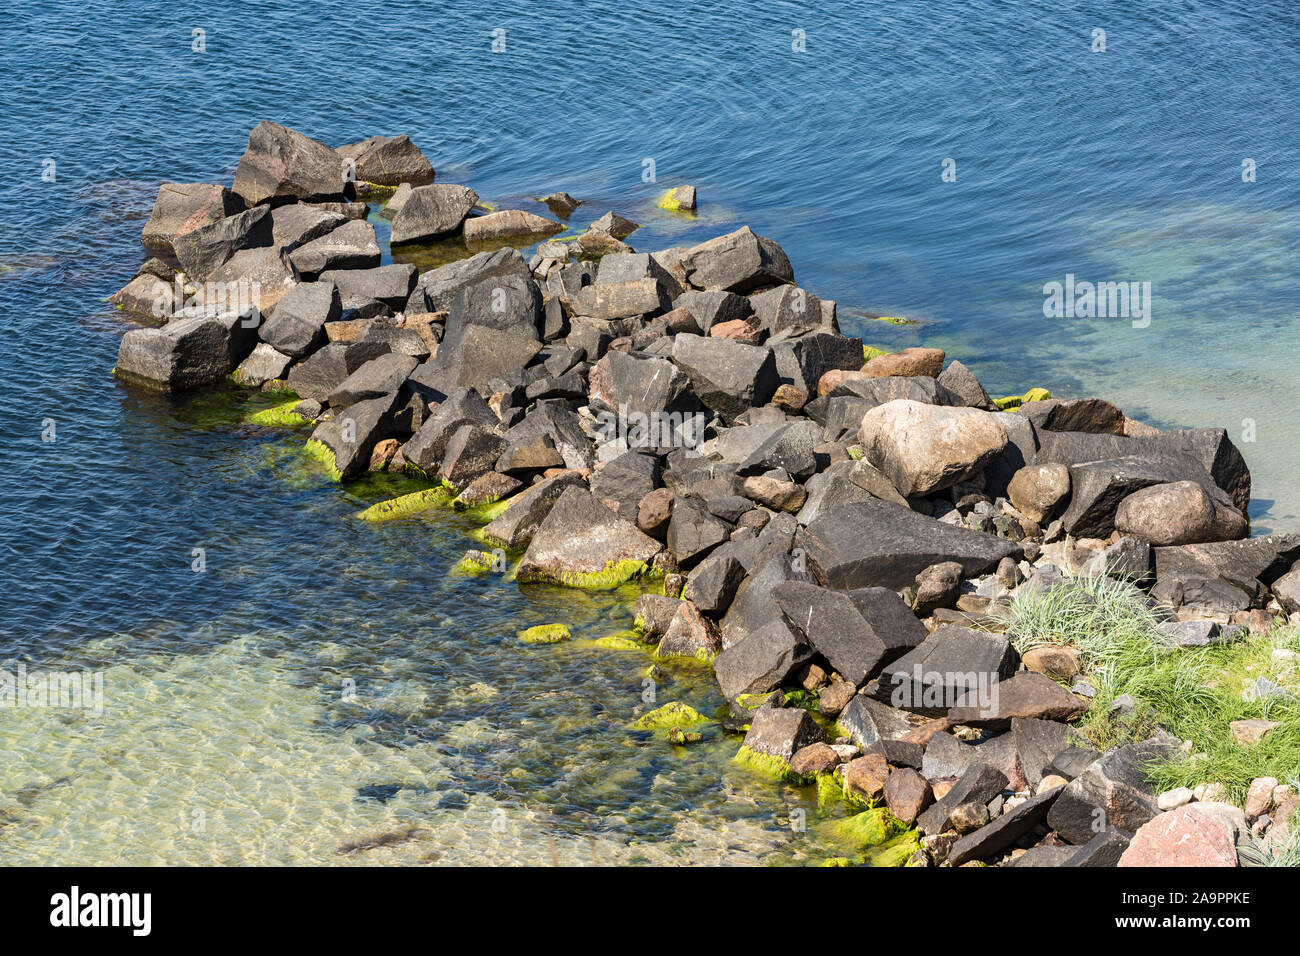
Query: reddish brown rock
x=740 y=330
x=866 y=776
x=906 y=794
x=814 y=759
x=913 y=361
x=1027 y=695
x=1183 y=837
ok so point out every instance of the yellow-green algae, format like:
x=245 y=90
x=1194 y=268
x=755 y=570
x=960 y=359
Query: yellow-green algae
x=475 y=562
x=768 y=765
x=482 y=513
x=869 y=828
x=622 y=641
x=895 y=851
x=870 y=351
x=612 y=575
x=1015 y=401
x=404 y=505
x=544 y=634
x=278 y=416
x=675 y=735
x=321 y=454
x=672 y=714
x=669 y=201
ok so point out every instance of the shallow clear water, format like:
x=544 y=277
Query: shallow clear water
x=223 y=688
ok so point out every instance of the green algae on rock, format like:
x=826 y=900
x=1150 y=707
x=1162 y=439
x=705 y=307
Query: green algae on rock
x=622 y=641
x=672 y=714
x=769 y=765
x=320 y=453
x=869 y=828
x=544 y=634
x=1015 y=401
x=404 y=505
x=476 y=562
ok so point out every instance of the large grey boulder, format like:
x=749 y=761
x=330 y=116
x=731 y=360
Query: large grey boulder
x=945 y=669
x=282 y=165
x=761 y=662
x=380 y=376
x=492 y=331
x=464 y=406
x=878 y=543
x=202 y=251
x=391 y=284
x=328 y=366
x=299 y=223
x=856 y=631
x=1211 y=447
x=350 y=246
x=296 y=326
x=509 y=224
x=1098 y=487
x=1114 y=791
x=627 y=384
x=557 y=422
x=1228 y=575
x=432 y=212
x=803 y=361
x=926 y=448
x=260 y=274
x=388 y=161
x=619 y=300
x=183 y=207
x=437 y=289
x=580 y=542
x=1179 y=512
x=788 y=311
x=782 y=732
x=351 y=435
x=962 y=383
x=737 y=262
x=753 y=606
x=185 y=353
x=515 y=527
x=728 y=377
x=713 y=308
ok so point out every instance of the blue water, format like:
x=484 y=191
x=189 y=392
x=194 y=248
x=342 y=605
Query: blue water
x=1117 y=165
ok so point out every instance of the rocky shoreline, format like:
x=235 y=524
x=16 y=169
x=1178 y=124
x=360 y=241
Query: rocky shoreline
x=846 y=536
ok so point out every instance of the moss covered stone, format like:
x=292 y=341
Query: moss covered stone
x=680 y=737
x=870 y=351
x=670 y=715
x=1015 y=401
x=622 y=641
x=868 y=828
x=769 y=765
x=544 y=634
x=476 y=562
x=278 y=416
x=320 y=453
x=404 y=505
x=895 y=851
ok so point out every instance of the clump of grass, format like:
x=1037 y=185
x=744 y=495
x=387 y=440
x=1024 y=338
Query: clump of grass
x=1192 y=693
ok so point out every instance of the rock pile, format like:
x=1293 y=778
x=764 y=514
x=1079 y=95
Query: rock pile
x=824 y=524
